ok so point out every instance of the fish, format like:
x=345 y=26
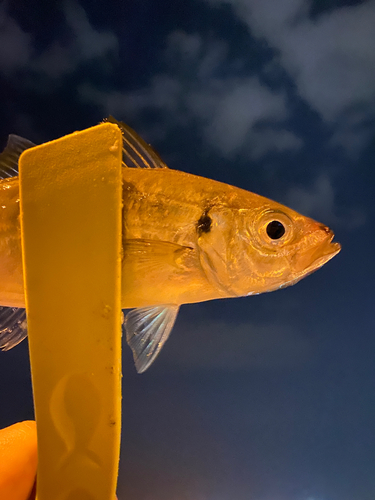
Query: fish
x=185 y=239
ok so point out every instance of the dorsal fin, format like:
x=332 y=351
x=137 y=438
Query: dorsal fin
x=136 y=153
x=9 y=157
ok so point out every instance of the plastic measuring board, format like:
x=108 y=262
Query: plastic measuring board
x=71 y=203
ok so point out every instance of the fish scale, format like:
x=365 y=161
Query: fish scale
x=162 y=218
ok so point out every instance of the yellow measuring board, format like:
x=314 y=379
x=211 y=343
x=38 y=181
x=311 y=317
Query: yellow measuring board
x=71 y=204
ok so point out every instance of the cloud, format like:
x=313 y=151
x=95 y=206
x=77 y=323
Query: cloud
x=82 y=43
x=163 y=93
x=318 y=201
x=271 y=139
x=227 y=108
x=331 y=58
x=230 y=112
x=244 y=346
x=90 y=42
x=15 y=44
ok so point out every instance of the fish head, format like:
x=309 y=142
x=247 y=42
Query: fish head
x=282 y=247
x=250 y=245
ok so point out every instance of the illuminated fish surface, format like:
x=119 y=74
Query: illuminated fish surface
x=186 y=239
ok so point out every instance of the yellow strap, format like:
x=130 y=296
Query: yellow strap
x=71 y=236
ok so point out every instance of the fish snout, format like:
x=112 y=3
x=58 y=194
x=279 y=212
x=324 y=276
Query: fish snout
x=327 y=230
x=332 y=247
x=325 y=250
x=317 y=250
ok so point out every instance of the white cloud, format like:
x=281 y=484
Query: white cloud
x=277 y=140
x=318 y=201
x=84 y=44
x=185 y=47
x=90 y=43
x=235 y=107
x=56 y=61
x=227 y=108
x=15 y=44
x=331 y=58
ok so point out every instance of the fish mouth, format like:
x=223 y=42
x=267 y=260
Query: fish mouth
x=311 y=261
x=327 y=251
x=325 y=254
x=320 y=255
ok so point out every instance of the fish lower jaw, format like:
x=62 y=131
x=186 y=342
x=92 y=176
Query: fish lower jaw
x=308 y=261
x=328 y=254
x=332 y=250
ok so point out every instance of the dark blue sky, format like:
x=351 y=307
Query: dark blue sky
x=261 y=398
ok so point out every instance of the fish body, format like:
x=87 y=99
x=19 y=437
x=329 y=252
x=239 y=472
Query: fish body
x=11 y=287
x=195 y=239
x=185 y=239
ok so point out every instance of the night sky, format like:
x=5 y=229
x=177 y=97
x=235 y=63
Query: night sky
x=261 y=398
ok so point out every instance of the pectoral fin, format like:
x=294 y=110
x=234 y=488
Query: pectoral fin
x=13 y=328
x=147 y=329
x=144 y=255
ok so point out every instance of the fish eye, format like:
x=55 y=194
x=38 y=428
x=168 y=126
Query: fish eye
x=275 y=230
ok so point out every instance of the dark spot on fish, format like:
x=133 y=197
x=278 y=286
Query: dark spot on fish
x=325 y=228
x=204 y=223
x=275 y=230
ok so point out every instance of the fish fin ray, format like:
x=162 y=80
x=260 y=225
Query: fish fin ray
x=154 y=256
x=13 y=327
x=136 y=153
x=16 y=145
x=147 y=329
x=145 y=249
